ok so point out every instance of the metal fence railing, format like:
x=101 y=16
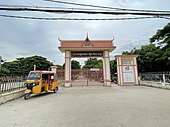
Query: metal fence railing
x=155 y=79
x=10 y=83
x=167 y=78
x=164 y=78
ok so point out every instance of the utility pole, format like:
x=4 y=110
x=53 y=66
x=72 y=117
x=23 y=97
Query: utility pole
x=34 y=67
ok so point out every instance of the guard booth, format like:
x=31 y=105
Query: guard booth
x=86 y=49
x=127 y=73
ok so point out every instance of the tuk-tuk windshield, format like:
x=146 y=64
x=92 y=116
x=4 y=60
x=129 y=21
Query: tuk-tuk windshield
x=33 y=76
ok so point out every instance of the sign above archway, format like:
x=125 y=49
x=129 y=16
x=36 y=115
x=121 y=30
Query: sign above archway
x=87 y=54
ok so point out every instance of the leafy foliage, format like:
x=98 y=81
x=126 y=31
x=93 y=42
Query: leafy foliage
x=75 y=64
x=93 y=63
x=60 y=67
x=162 y=37
x=151 y=58
x=24 y=65
x=4 y=70
x=113 y=67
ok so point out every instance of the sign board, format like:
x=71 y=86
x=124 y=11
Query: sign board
x=94 y=69
x=128 y=74
x=127 y=62
x=87 y=54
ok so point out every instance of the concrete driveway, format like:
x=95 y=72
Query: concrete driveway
x=96 y=106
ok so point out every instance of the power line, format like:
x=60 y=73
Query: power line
x=34 y=5
x=46 y=18
x=165 y=17
x=51 y=7
x=89 y=5
x=82 y=11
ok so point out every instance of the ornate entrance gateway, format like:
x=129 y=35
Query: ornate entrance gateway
x=87 y=49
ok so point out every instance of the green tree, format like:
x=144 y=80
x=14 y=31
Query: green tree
x=150 y=58
x=100 y=64
x=93 y=63
x=5 y=70
x=162 y=37
x=60 y=67
x=24 y=65
x=75 y=64
x=113 y=67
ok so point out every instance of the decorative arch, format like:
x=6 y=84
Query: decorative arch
x=87 y=49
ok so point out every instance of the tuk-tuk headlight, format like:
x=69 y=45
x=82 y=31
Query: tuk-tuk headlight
x=35 y=83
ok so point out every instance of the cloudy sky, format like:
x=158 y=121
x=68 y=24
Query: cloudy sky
x=23 y=37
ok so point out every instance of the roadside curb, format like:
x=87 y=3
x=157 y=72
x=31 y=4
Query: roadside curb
x=155 y=85
x=11 y=95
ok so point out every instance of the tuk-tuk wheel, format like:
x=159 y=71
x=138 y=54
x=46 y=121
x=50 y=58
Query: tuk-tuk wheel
x=55 y=90
x=27 y=96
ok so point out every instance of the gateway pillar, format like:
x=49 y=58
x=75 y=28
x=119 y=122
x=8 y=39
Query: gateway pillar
x=106 y=68
x=127 y=73
x=67 y=68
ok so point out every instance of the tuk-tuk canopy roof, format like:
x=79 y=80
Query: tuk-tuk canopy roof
x=44 y=72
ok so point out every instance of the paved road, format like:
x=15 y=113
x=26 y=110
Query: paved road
x=97 y=106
